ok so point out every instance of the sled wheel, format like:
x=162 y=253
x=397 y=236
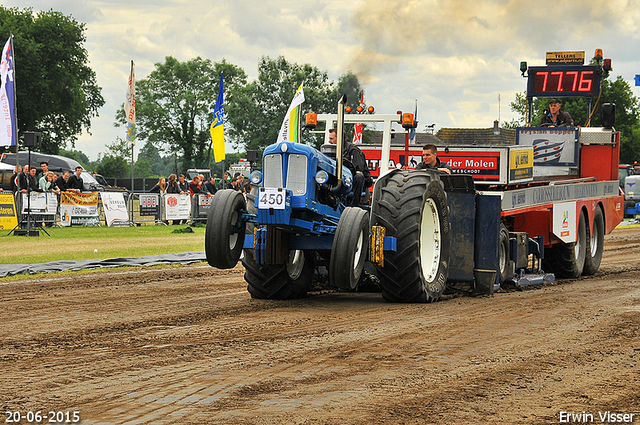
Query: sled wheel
x=413 y=208
x=595 y=245
x=504 y=254
x=278 y=282
x=567 y=260
x=224 y=235
x=350 y=248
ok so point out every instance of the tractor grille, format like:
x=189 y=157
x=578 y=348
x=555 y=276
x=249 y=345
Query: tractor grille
x=272 y=170
x=297 y=174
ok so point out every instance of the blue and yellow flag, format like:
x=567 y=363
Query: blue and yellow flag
x=217 y=126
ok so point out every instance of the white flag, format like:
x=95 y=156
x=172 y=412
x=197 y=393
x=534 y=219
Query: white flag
x=289 y=131
x=130 y=107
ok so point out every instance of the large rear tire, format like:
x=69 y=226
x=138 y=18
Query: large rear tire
x=595 y=245
x=278 y=282
x=224 y=235
x=413 y=208
x=567 y=260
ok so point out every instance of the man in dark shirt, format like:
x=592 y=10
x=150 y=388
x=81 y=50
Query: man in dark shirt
x=555 y=117
x=75 y=182
x=430 y=160
x=182 y=184
x=210 y=186
x=15 y=179
x=355 y=161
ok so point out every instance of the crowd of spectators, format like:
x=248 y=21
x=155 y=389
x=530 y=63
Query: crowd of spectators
x=27 y=179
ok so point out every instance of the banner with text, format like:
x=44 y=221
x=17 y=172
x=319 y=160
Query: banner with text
x=177 y=206
x=44 y=203
x=8 y=216
x=115 y=209
x=79 y=209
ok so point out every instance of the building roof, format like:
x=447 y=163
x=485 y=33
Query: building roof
x=477 y=136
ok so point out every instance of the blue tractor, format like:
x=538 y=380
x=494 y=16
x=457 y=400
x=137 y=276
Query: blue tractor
x=296 y=225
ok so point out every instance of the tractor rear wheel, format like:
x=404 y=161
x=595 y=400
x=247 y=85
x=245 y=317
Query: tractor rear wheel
x=567 y=260
x=224 y=235
x=413 y=208
x=278 y=282
x=595 y=244
x=350 y=248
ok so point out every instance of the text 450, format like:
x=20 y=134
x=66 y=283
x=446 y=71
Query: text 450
x=47 y=417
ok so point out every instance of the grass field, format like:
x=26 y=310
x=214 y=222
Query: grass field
x=79 y=243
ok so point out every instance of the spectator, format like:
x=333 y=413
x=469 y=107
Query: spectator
x=46 y=181
x=75 y=182
x=225 y=183
x=182 y=183
x=55 y=187
x=172 y=185
x=44 y=165
x=62 y=181
x=160 y=187
x=194 y=186
x=210 y=186
x=239 y=183
x=15 y=179
x=23 y=179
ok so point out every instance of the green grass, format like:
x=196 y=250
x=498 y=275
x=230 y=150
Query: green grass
x=78 y=243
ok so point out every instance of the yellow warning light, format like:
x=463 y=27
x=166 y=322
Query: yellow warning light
x=408 y=120
x=370 y=109
x=347 y=109
x=359 y=109
x=598 y=55
x=311 y=120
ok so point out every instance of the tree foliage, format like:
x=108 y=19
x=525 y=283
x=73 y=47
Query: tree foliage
x=261 y=105
x=56 y=90
x=175 y=103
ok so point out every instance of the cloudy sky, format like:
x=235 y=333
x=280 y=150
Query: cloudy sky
x=456 y=57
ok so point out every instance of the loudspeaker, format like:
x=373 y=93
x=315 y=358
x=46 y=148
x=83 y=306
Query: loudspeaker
x=253 y=156
x=32 y=139
x=608 y=115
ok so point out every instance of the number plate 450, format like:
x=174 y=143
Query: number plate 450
x=272 y=198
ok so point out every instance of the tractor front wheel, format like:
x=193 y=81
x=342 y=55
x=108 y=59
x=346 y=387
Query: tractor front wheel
x=224 y=235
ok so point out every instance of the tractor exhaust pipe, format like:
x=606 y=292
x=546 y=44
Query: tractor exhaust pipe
x=339 y=141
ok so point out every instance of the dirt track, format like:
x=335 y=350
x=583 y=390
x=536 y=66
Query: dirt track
x=189 y=345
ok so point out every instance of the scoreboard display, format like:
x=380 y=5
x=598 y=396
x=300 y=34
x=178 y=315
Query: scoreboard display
x=567 y=80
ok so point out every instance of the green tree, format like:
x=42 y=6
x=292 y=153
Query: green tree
x=56 y=89
x=78 y=156
x=113 y=166
x=260 y=107
x=175 y=103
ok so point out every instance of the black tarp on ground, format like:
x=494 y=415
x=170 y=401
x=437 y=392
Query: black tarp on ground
x=58 y=266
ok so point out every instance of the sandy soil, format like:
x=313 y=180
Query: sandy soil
x=188 y=345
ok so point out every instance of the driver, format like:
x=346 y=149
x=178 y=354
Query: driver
x=556 y=117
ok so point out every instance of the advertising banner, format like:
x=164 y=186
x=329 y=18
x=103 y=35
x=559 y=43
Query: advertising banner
x=79 y=209
x=551 y=146
x=204 y=203
x=8 y=216
x=177 y=206
x=115 y=209
x=44 y=203
x=149 y=205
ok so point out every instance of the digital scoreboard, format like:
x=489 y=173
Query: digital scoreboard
x=565 y=80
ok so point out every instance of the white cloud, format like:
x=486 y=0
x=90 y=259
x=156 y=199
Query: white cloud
x=454 y=56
